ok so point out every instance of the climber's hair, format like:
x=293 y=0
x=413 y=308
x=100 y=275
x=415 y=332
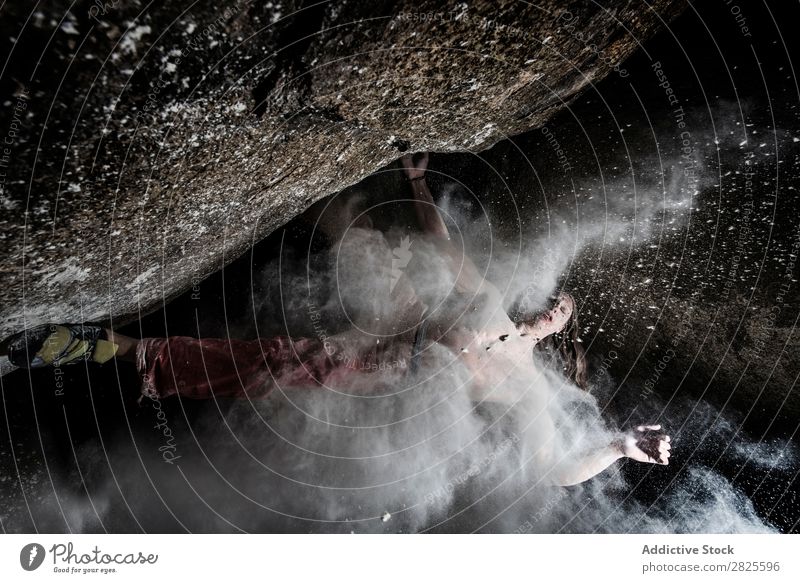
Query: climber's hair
x=566 y=342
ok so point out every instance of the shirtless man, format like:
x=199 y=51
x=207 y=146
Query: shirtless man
x=495 y=348
x=472 y=324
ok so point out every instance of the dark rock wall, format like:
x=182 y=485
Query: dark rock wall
x=152 y=144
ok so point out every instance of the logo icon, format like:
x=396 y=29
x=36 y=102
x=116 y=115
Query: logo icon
x=400 y=257
x=31 y=556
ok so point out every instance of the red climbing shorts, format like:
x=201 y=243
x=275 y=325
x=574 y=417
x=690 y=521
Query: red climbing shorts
x=213 y=367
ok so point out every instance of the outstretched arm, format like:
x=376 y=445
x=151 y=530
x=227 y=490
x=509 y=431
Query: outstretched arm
x=644 y=444
x=427 y=214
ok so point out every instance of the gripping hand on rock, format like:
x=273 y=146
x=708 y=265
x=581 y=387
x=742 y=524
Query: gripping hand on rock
x=415 y=168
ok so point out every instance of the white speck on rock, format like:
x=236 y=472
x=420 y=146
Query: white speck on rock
x=68 y=26
x=134 y=35
x=143 y=277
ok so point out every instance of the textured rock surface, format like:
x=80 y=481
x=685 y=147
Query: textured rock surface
x=157 y=143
